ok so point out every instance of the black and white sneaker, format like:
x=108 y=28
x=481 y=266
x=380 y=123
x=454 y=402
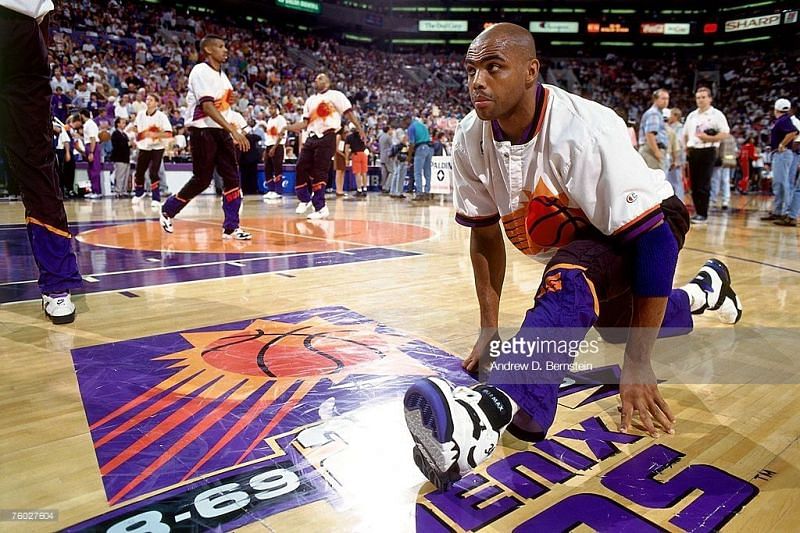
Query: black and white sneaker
x=455 y=430
x=236 y=235
x=711 y=290
x=58 y=308
x=165 y=221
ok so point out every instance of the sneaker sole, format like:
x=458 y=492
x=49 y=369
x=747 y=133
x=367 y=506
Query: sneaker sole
x=428 y=420
x=441 y=480
x=61 y=319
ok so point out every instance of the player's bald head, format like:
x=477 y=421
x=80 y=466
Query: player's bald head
x=502 y=71
x=512 y=39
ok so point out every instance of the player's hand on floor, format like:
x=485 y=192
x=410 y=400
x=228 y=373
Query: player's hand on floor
x=638 y=390
x=481 y=349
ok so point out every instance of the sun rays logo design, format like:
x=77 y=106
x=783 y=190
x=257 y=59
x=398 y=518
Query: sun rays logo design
x=211 y=405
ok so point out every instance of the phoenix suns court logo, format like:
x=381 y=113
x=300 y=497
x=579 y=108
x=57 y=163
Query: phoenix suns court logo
x=250 y=419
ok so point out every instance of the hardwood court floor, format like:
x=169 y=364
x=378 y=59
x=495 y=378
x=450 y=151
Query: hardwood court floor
x=326 y=449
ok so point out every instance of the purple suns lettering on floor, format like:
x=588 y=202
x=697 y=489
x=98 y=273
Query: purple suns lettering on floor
x=173 y=410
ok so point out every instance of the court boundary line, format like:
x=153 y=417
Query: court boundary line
x=212 y=263
x=746 y=260
x=411 y=255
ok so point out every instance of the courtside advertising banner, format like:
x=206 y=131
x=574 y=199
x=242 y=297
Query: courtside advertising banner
x=441 y=174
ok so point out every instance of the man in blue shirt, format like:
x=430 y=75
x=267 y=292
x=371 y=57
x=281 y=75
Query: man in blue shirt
x=653 y=138
x=784 y=210
x=419 y=143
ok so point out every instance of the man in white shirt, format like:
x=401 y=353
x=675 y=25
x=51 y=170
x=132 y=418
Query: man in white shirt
x=273 y=156
x=26 y=133
x=121 y=107
x=59 y=80
x=560 y=174
x=139 y=103
x=153 y=133
x=703 y=130
x=322 y=118
x=213 y=138
x=91 y=151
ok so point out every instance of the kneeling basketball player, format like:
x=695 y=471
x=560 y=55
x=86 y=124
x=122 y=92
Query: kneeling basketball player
x=560 y=173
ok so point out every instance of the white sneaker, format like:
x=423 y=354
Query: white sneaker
x=58 y=308
x=711 y=290
x=302 y=207
x=237 y=235
x=136 y=199
x=319 y=215
x=155 y=204
x=166 y=222
x=272 y=195
x=455 y=430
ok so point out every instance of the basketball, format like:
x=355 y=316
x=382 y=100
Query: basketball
x=104 y=136
x=551 y=224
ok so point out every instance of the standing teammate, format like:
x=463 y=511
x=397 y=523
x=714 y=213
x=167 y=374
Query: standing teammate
x=153 y=131
x=530 y=155
x=212 y=137
x=322 y=117
x=273 y=156
x=705 y=127
x=26 y=133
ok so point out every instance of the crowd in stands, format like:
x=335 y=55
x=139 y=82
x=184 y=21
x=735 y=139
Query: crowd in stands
x=109 y=59
x=108 y=56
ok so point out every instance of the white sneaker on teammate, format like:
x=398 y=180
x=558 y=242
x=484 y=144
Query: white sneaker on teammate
x=155 y=204
x=58 y=308
x=302 y=207
x=166 y=222
x=319 y=215
x=455 y=430
x=272 y=195
x=711 y=290
x=236 y=235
